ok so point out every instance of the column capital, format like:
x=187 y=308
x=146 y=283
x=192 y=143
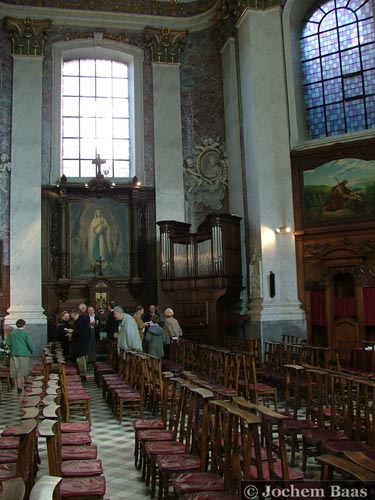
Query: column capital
x=28 y=36
x=166 y=45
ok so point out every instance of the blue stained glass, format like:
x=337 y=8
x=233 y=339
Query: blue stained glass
x=355 y=115
x=316 y=123
x=316 y=16
x=365 y=11
x=348 y=36
x=366 y=31
x=345 y=16
x=350 y=61
x=353 y=86
x=341 y=3
x=310 y=50
x=329 y=22
x=333 y=91
x=369 y=79
x=368 y=56
x=327 y=6
x=355 y=4
x=335 y=119
x=309 y=29
x=311 y=71
x=331 y=66
x=313 y=95
x=370 y=109
x=328 y=42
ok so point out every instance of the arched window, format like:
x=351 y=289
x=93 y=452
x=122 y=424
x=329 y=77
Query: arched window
x=98 y=109
x=337 y=55
x=95 y=117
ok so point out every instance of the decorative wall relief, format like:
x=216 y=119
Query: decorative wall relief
x=206 y=178
x=5 y=167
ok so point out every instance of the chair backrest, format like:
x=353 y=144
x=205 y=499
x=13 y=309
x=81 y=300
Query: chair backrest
x=26 y=460
x=45 y=488
x=13 y=489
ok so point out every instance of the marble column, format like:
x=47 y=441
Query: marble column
x=268 y=176
x=25 y=200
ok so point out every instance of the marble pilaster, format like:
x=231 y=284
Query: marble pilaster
x=25 y=200
x=268 y=173
x=169 y=185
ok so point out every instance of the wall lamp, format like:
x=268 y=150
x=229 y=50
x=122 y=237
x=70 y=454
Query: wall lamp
x=283 y=229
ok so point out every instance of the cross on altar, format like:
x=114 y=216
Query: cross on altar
x=100 y=263
x=98 y=162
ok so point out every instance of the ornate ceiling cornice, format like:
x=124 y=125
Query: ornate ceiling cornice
x=174 y=8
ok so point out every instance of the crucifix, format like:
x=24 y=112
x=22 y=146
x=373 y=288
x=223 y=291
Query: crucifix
x=98 y=162
x=100 y=263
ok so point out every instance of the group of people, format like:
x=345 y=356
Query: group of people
x=79 y=331
x=142 y=331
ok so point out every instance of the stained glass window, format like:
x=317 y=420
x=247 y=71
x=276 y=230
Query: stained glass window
x=338 y=67
x=95 y=117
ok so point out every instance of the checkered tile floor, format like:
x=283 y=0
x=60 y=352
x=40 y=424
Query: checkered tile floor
x=115 y=443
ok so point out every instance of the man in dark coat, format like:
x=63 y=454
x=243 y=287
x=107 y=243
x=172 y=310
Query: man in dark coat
x=80 y=341
x=111 y=324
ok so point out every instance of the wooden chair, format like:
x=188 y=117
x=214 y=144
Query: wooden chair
x=78 y=488
x=75 y=399
x=13 y=489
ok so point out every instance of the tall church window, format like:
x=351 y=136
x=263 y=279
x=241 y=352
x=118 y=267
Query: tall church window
x=95 y=117
x=337 y=46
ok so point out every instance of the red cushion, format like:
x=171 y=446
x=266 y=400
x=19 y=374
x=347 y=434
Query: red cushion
x=75 y=438
x=79 y=452
x=338 y=447
x=317 y=436
x=7 y=471
x=9 y=443
x=298 y=425
x=293 y=474
x=81 y=468
x=164 y=447
x=76 y=427
x=8 y=456
x=203 y=495
x=175 y=463
x=197 y=481
x=10 y=430
x=144 y=424
x=155 y=435
x=82 y=487
x=78 y=396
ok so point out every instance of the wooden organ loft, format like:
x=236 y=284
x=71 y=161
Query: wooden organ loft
x=201 y=276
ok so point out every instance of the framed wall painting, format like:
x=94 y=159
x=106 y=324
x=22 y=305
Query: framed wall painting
x=99 y=238
x=339 y=191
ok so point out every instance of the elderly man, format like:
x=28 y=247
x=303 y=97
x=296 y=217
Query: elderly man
x=128 y=335
x=80 y=341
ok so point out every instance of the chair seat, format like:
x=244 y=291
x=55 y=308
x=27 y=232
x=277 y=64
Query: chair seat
x=73 y=427
x=9 y=443
x=79 y=452
x=277 y=468
x=197 y=481
x=78 y=396
x=7 y=471
x=173 y=463
x=339 y=447
x=317 y=436
x=82 y=487
x=81 y=468
x=298 y=425
x=164 y=447
x=75 y=438
x=8 y=456
x=144 y=424
x=155 y=435
x=210 y=495
x=10 y=430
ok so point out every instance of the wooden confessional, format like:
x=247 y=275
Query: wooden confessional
x=201 y=275
x=336 y=260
